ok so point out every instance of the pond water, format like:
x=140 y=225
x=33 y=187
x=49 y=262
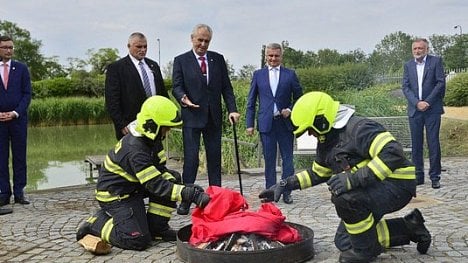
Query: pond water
x=56 y=154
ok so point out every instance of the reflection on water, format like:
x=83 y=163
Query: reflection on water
x=56 y=154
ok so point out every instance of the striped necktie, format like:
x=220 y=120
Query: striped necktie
x=146 y=82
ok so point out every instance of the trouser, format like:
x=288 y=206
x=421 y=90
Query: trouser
x=212 y=141
x=126 y=223
x=361 y=211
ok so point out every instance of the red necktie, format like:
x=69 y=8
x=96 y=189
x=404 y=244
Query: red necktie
x=203 y=65
x=5 y=75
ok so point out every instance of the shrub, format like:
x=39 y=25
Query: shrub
x=457 y=91
x=67 y=111
x=336 y=78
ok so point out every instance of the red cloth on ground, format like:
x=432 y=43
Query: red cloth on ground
x=224 y=215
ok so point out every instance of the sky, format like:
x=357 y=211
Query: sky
x=68 y=28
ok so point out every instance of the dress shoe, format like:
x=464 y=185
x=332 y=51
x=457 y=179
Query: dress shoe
x=287 y=199
x=21 y=200
x=418 y=232
x=183 y=209
x=435 y=184
x=4 y=202
x=166 y=235
x=4 y=210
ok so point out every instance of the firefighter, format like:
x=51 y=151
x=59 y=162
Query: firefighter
x=133 y=170
x=367 y=174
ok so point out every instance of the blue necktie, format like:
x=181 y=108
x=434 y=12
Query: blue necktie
x=146 y=82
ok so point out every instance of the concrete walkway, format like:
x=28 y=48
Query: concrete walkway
x=45 y=230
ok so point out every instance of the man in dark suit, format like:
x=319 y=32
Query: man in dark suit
x=276 y=88
x=129 y=81
x=200 y=78
x=424 y=88
x=15 y=97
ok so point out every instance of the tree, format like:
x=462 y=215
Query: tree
x=27 y=51
x=392 y=52
x=440 y=43
x=166 y=71
x=246 y=72
x=456 y=56
x=99 y=60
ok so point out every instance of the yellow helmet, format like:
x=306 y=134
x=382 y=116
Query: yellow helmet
x=315 y=110
x=155 y=112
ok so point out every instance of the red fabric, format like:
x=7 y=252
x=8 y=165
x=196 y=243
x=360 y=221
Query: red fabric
x=224 y=215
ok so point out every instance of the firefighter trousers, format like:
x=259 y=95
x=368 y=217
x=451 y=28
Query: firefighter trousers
x=368 y=205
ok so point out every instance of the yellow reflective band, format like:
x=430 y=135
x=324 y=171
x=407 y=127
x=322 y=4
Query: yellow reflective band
x=383 y=234
x=360 y=227
x=91 y=219
x=162 y=156
x=105 y=196
x=168 y=176
x=406 y=173
x=304 y=179
x=176 y=194
x=359 y=165
x=160 y=210
x=118 y=146
x=147 y=174
x=379 y=168
x=114 y=168
x=107 y=229
x=379 y=142
x=321 y=170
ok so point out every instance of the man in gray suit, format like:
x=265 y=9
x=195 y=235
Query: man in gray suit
x=200 y=78
x=424 y=88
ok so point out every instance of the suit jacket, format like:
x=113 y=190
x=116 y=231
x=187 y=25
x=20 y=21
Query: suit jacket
x=18 y=96
x=433 y=85
x=288 y=91
x=188 y=79
x=124 y=91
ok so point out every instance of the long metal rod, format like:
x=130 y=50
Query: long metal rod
x=236 y=146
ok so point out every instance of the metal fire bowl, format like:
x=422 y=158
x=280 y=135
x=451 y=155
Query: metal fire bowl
x=290 y=253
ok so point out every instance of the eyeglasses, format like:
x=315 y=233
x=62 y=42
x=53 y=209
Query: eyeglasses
x=7 y=47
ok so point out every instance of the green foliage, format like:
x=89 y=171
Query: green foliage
x=378 y=101
x=67 y=111
x=335 y=78
x=86 y=85
x=457 y=91
x=390 y=54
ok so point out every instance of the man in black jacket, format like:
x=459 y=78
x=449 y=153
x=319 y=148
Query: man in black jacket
x=129 y=81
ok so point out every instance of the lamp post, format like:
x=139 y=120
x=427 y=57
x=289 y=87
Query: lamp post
x=460 y=27
x=159 y=51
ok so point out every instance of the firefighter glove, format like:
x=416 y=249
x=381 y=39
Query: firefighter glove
x=341 y=183
x=195 y=194
x=175 y=176
x=274 y=192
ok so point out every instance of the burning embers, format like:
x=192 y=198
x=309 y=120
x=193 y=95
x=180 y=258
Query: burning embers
x=241 y=242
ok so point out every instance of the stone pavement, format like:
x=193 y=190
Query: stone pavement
x=45 y=230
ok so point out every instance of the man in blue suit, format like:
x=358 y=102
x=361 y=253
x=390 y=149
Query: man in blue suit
x=200 y=78
x=276 y=88
x=424 y=88
x=15 y=96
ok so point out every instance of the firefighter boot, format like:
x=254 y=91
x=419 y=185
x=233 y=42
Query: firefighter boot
x=418 y=232
x=365 y=248
x=160 y=229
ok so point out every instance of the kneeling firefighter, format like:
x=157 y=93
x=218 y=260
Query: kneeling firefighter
x=134 y=170
x=368 y=176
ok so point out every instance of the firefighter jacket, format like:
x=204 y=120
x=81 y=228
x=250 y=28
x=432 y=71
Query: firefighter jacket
x=136 y=165
x=362 y=146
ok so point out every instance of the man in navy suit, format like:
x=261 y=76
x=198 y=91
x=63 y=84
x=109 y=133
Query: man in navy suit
x=199 y=79
x=15 y=97
x=276 y=88
x=125 y=89
x=424 y=88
